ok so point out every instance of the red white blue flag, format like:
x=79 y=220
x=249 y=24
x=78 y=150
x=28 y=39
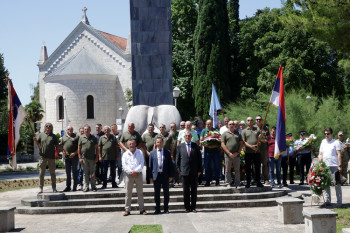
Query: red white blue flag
x=16 y=118
x=277 y=99
x=214 y=105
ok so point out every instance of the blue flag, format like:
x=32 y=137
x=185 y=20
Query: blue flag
x=214 y=106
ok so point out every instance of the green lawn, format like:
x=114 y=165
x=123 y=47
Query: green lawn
x=146 y=229
x=343 y=218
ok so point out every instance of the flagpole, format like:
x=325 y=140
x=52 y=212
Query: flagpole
x=267 y=111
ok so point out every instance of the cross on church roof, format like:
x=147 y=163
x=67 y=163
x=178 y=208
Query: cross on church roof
x=84 y=18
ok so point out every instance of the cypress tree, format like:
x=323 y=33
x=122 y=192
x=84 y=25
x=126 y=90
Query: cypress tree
x=212 y=55
x=234 y=30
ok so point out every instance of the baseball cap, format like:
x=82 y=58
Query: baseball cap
x=340 y=133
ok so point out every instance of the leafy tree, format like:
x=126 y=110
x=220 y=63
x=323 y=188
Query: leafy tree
x=309 y=63
x=212 y=54
x=183 y=23
x=3 y=107
x=328 y=20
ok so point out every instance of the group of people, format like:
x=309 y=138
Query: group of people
x=174 y=156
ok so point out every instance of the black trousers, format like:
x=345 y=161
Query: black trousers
x=252 y=158
x=304 y=160
x=189 y=184
x=162 y=181
x=284 y=166
x=99 y=171
x=292 y=162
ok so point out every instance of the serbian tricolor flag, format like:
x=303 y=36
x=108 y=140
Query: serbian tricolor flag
x=214 y=106
x=277 y=99
x=17 y=115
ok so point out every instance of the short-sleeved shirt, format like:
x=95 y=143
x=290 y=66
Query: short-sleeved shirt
x=263 y=145
x=329 y=151
x=88 y=146
x=251 y=137
x=70 y=143
x=181 y=137
x=126 y=136
x=47 y=143
x=149 y=140
x=203 y=133
x=271 y=147
x=231 y=140
x=108 y=147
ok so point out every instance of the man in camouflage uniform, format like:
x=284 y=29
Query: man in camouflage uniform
x=345 y=152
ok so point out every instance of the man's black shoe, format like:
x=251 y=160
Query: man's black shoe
x=291 y=182
x=187 y=211
x=301 y=183
x=67 y=189
x=217 y=183
x=115 y=186
x=207 y=184
x=156 y=212
x=285 y=184
x=247 y=186
x=260 y=185
x=166 y=211
x=103 y=187
x=194 y=210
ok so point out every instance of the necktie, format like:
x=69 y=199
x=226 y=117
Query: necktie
x=189 y=149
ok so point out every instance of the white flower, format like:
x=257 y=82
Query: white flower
x=312 y=136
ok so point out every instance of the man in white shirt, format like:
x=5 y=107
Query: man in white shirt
x=330 y=153
x=224 y=128
x=133 y=162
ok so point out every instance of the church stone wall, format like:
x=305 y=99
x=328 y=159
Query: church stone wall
x=75 y=91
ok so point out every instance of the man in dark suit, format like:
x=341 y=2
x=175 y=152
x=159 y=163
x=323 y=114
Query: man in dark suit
x=160 y=165
x=189 y=165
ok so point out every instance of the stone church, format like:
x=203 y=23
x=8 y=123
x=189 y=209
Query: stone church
x=85 y=79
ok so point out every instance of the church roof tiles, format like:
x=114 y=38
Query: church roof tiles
x=119 y=41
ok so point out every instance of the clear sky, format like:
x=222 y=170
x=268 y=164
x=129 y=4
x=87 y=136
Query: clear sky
x=26 y=24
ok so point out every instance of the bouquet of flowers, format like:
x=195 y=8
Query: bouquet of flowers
x=212 y=138
x=319 y=177
x=289 y=141
x=308 y=143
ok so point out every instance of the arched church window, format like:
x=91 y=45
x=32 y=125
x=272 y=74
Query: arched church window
x=90 y=107
x=60 y=108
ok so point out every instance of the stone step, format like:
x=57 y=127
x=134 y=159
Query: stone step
x=149 y=199
x=120 y=192
x=223 y=204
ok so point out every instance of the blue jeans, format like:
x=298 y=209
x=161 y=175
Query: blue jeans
x=272 y=163
x=212 y=158
x=72 y=168
x=80 y=174
x=105 y=164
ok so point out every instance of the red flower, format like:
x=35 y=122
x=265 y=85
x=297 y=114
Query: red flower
x=313 y=174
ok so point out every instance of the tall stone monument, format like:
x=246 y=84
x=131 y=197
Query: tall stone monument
x=151 y=52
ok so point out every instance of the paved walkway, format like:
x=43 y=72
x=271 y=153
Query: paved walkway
x=264 y=219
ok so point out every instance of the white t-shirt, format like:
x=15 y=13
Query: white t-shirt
x=329 y=151
x=223 y=129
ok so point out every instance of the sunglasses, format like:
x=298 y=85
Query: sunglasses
x=249 y=120
x=258 y=119
x=327 y=133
